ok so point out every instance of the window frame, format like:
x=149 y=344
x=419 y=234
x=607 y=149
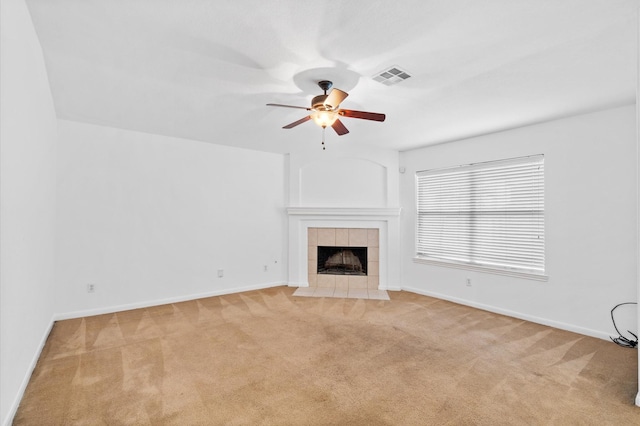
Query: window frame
x=472 y=213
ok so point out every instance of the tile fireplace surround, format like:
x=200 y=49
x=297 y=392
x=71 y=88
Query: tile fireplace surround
x=344 y=237
x=333 y=226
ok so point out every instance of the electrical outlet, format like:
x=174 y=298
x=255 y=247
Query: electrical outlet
x=468 y=282
x=91 y=288
x=220 y=273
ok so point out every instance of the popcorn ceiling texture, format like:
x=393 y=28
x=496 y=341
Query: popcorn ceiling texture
x=267 y=357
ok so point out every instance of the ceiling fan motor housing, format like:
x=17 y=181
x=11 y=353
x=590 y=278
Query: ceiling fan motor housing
x=317 y=103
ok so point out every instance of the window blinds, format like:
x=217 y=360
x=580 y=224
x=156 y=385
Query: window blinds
x=487 y=214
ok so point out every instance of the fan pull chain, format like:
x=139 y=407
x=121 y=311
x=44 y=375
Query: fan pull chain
x=323 y=129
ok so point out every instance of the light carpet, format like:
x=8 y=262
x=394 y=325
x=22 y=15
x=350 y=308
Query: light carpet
x=268 y=357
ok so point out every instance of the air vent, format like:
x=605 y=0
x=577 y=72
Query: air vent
x=391 y=76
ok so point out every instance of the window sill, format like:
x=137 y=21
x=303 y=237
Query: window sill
x=496 y=271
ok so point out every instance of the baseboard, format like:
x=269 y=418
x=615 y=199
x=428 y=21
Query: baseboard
x=391 y=288
x=8 y=420
x=515 y=314
x=157 y=302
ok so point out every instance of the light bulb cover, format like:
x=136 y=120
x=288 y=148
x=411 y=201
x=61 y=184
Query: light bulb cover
x=324 y=118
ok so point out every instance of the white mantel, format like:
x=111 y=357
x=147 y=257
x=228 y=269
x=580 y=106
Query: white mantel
x=344 y=211
x=386 y=220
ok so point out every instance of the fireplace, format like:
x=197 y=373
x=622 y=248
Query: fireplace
x=378 y=229
x=336 y=260
x=345 y=258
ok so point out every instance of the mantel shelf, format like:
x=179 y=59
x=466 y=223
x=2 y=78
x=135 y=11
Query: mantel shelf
x=343 y=211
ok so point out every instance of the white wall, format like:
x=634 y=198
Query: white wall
x=590 y=221
x=638 y=194
x=148 y=218
x=27 y=200
x=343 y=176
x=343 y=182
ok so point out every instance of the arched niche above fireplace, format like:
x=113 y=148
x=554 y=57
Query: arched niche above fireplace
x=343 y=182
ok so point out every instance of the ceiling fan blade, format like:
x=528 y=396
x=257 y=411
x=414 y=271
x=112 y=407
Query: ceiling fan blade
x=374 y=116
x=335 y=97
x=289 y=106
x=339 y=128
x=295 y=123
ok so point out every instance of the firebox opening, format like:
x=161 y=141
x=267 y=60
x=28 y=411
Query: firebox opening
x=342 y=260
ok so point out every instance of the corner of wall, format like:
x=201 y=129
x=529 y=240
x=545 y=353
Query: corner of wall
x=27 y=236
x=638 y=183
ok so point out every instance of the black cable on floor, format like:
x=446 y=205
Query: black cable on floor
x=622 y=340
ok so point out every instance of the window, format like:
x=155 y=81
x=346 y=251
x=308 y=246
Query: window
x=486 y=215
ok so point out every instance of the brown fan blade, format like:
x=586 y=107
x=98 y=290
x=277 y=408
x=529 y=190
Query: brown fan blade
x=362 y=114
x=289 y=106
x=336 y=96
x=339 y=128
x=295 y=123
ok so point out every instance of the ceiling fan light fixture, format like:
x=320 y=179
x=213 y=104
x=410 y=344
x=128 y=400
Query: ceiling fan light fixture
x=325 y=111
x=324 y=118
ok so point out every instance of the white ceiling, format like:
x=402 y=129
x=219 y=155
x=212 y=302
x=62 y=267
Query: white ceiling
x=204 y=69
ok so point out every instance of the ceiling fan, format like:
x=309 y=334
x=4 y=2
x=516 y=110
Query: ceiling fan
x=325 y=110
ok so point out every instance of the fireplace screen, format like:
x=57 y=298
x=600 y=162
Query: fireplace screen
x=342 y=260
